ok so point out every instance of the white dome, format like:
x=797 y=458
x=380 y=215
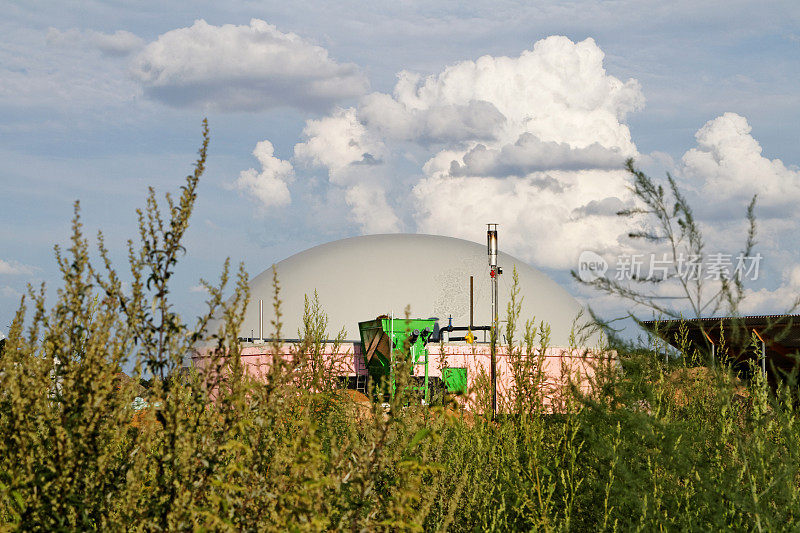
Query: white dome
x=360 y=278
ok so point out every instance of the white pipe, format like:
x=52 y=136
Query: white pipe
x=261 y=320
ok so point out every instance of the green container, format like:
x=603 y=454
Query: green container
x=455 y=380
x=384 y=339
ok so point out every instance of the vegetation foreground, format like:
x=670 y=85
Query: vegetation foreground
x=658 y=445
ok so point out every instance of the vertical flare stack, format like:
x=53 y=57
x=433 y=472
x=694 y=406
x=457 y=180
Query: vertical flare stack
x=494 y=271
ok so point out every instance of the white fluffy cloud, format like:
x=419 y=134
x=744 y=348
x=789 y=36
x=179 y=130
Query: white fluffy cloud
x=558 y=91
x=534 y=142
x=719 y=176
x=351 y=154
x=338 y=142
x=434 y=122
x=9 y=292
x=545 y=218
x=243 y=68
x=530 y=154
x=119 y=43
x=725 y=170
x=552 y=167
x=370 y=209
x=728 y=165
x=15 y=268
x=269 y=185
x=774 y=301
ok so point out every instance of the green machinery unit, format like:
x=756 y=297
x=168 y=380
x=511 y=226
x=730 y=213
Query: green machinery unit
x=386 y=340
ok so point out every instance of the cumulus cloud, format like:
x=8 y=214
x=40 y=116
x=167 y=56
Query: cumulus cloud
x=9 y=292
x=243 y=68
x=724 y=171
x=15 y=268
x=719 y=176
x=727 y=164
x=337 y=142
x=119 y=43
x=528 y=141
x=558 y=91
x=530 y=154
x=778 y=300
x=538 y=223
x=552 y=173
x=609 y=207
x=350 y=154
x=269 y=185
x=436 y=122
x=198 y=288
x=371 y=210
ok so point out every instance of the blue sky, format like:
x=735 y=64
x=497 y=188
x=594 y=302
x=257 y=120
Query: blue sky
x=522 y=110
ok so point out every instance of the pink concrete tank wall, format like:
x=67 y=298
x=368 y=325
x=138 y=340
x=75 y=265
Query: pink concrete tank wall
x=558 y=366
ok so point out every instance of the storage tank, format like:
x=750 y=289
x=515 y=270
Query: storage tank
x=361 y=278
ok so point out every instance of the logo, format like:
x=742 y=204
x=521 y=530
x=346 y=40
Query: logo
x=591 y=266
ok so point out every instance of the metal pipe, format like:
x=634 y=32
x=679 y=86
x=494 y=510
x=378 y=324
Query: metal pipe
x=491 y=238
x=450 y=329
x=391 y=358
x=471 y=313
x=494 y=344
x=713 y=349
x=261 y=320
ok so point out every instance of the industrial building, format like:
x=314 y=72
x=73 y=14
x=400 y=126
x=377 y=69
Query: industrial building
x=442 y=282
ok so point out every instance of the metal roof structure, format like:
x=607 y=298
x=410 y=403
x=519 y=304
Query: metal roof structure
x=742 y=337
x=360 y=278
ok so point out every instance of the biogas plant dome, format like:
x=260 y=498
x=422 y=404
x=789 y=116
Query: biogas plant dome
x=361 y=278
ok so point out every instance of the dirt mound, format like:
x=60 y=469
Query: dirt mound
x=354 y=401
x=462 y=415
x=696 y=373
x=356 y=396
x=699 y=382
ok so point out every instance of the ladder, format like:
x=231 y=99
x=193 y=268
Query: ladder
x=361 y=383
